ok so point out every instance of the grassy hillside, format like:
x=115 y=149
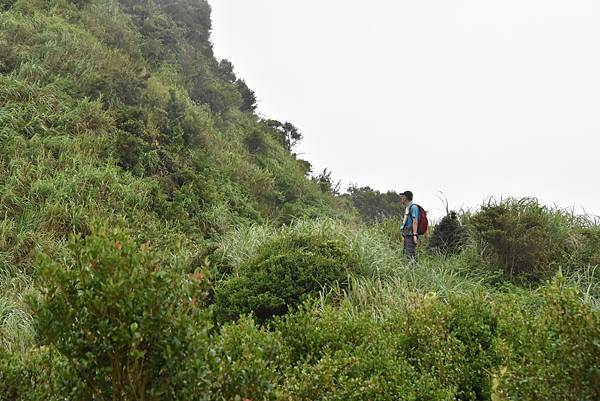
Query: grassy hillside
x=119 y=113
x=160 y=241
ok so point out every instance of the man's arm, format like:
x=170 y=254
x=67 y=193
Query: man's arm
x=415 y=229
x=415 y=224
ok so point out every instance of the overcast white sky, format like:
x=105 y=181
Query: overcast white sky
x=502 y=97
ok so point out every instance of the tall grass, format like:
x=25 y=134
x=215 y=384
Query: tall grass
x=16 y=323
x=587 y=280
x=409 y=285
x=376 y=257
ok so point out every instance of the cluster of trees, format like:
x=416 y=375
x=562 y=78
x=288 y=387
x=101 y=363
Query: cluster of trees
x=374 y=205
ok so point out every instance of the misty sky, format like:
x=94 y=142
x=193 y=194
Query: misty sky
x=501 y=97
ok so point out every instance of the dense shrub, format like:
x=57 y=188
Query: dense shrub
x=526 y=240
x=126 y=325
x=449 y=236
x=434 y=351
x=551 y=351
x=455 y=343
x=367 y=372
x=339 y=357
x=587 y=244
x=284 y=273
x=248 y=364
x=40 y=374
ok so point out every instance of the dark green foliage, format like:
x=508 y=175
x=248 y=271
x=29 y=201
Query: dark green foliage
x=286 y=133
x=125 y=324
x=249 y=98
x=449 y=236
x=193 y=16
x=7 y=4
x=355 y=358
x=282 y=275
x=455 y=344
x=225 y=71
x=160 y=38
x=256 y=142
x=374 y=205
x=326 y=183
x=131 y=152
x=587 y=250
x=126 y=89
x=220 y=96
x=249 y=363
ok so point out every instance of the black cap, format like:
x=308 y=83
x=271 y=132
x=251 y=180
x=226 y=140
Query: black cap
x=408 y=194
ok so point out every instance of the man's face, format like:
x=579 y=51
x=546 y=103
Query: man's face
x=403 y=199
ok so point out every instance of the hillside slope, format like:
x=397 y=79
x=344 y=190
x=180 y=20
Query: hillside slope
x=117 y=112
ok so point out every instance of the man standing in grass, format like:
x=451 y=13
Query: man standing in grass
x=410 y=225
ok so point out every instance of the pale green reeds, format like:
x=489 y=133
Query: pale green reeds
x=587 y=280
x=16 y=324
x=376 y=258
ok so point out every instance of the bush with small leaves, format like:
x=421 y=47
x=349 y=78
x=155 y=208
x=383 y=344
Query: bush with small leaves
x=283 y=274
x=550 y=348
x=249 y=360
x=126 y=324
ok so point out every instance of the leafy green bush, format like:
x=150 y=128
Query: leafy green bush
x=335 y=357
x=367 y=372
x=454 y=342
x=248 y=362
x=126 y=325
x=551 y=351
x=284 y=273
x=433 y=351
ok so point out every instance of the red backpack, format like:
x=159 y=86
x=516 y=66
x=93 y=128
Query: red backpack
x=423 y=222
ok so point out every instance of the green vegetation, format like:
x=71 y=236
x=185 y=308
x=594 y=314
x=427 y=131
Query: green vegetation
x=284 y=273
x=449 y=236
x=121 y=319
x=160 y=241
x=531 y=242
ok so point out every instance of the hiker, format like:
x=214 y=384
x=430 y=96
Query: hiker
x=410 y=225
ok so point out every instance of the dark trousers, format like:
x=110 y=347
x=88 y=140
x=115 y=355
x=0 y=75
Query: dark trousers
x=410 y=247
